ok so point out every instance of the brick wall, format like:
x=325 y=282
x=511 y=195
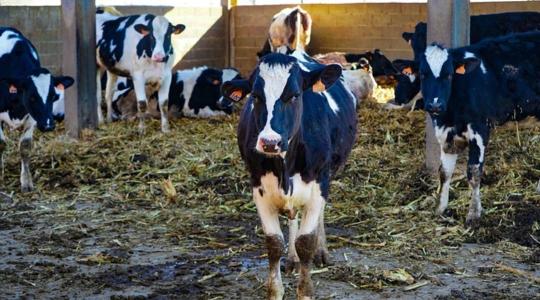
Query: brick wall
x=347 y=27
x=202 y=43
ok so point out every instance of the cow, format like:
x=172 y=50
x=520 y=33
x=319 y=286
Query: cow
x=296 y=130
x=361 y=81
x=469 y=90
x=407 y=93
x=482 y=26
x=193 y=93
x=27 y=95
x=290 y=29
x=382 y=68
x=138 y=47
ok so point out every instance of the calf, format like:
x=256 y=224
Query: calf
x=27 y=95
x=296 y=130
x=290 y=29
x=138 y=47
x=193 y=93
x=482 y=26
x=408 y=85
x=470 y=89
x=361 y=81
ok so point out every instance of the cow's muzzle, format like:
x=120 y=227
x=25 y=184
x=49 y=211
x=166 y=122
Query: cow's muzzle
x=270 y=146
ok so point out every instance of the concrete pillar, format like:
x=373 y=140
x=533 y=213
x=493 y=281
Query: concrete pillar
x=448 y=24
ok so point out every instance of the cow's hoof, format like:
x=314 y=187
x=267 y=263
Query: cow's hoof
x=441 y=210
x=292 y=266
x=165 y=129
x=27 y=188
x=321 y=258
x=275 y=292
x=473 y=219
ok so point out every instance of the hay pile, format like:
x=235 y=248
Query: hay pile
x=191 y=185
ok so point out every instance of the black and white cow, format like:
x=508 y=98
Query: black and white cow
x=193 y=93
x=27 y=95
x=470 y=89
x=138 y=47
x=482 y=26
x=296 y=130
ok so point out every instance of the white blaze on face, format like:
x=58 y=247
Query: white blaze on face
x=436 y=57
x=42 y=82
x=160 y=25
x=275 y=78
x=8 y=39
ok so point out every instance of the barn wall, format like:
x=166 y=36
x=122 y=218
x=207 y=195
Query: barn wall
x=203 y=42
x=347 y=27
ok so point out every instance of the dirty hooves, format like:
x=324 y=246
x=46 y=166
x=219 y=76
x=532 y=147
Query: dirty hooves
x=291 y=266
x=322 y=258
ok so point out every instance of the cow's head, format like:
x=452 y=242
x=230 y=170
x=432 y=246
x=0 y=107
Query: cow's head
x=408 y=81
x=156 y=38
x=228 y=74
x=276 y=89
x=39 y=92
x=438 y=67
x=417 y=40
x=380 y=64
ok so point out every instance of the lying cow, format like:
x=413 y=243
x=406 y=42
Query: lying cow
x=138 y=47
x=470 y=89
x=361 y=81
x=482 y=26
x=290 y=29
x=27 y=95
x=296 y=130
x=193 y=93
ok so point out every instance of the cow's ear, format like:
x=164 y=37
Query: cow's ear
x=142 y=29
x=63 y=82
x=323 y=78
x=466 y=65
x=407 y=36
x=178 y=28
x=236 y=90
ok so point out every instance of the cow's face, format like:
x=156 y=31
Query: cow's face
x=408 y=81
x=437 y=69
x=156 y=41
x=40 y=93
x=277 y=86
x=224 y=103
x=417 y=40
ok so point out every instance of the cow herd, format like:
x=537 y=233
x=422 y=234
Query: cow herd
x=299 y=121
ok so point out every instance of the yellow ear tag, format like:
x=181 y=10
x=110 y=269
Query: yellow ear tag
x=407 y=71
x=460 y=70
x=319 y=87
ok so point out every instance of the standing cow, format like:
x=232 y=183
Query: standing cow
x=296 y=130
x=470 y=89
x=482 y=26
x=138 y=47
x=27 y=95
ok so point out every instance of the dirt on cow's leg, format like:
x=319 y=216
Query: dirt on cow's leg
x=25 y=148
x=141 y=111
x=2 y=148
x=305 y=247
x=274 y=245
x=164 y=109
x=475 y=207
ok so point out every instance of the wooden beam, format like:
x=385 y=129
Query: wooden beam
x=79 y=61
x=448 y=24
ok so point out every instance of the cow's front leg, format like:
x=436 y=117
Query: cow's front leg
x=142 y=104
x=448 y=164
x=477 y=144
x=293 y=262
x=163 y=100
x=269 y=215
x=2 y=148
x=306 y=245
x=322 y=257
x=25 y=148
x=109 y=91
x=98 y=95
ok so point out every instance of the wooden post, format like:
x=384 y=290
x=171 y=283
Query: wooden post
x=448 y=24
x=231 y=8
x=79 y=61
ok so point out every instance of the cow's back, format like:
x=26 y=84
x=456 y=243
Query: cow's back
x=493 y=25
x=18 y=57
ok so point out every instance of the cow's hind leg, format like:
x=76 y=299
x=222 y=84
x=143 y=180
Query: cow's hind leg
x=2 y=148
x=25 y=148
x=163 y=100
x=306 y=244
x=109 y=91
x=322 y=257
x=477 y=143
x=142 y=104
x=274 y=243
x=292 y=263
